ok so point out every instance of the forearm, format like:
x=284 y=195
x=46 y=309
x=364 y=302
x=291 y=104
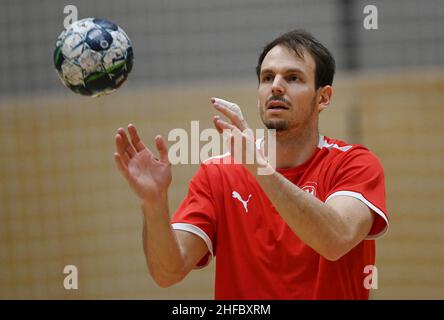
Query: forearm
x=314 y=222
x=162 y=251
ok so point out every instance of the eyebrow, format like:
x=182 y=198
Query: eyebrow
x=291 y=70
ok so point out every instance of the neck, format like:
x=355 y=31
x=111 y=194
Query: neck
x=294 y=149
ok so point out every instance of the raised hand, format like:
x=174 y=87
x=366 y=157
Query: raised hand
x=244 y=151
x=148 y=176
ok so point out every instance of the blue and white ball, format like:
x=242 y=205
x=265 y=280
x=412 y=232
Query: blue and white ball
x=93 y=57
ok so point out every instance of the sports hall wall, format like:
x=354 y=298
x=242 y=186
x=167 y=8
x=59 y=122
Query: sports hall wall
x=62 y=201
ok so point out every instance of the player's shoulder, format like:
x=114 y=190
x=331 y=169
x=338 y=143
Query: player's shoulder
x=219 y=165
x=341 y=151
x=341 y=147
x=218 y=171
x=218 y=159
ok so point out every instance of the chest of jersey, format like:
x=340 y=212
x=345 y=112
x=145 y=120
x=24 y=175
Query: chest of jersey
x=248 y=220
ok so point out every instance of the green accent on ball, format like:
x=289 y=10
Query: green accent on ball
x=94 y=76
x=116 y=67
x=57 y=57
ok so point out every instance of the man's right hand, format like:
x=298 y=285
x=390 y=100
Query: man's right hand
x=170 y=254
x=148 y=176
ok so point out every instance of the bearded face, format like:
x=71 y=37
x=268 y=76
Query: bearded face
x=287 y=94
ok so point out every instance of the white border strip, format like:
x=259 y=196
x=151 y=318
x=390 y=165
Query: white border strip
x=198 y=232
x=321 y=142
x=360 y=197
x=216 y=157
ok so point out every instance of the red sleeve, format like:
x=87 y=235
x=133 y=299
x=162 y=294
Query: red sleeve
x=360 y=175
x=197 y=213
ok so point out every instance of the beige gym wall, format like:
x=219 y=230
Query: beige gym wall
x=63 y=202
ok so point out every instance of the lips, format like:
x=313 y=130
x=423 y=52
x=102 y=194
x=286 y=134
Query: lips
x=277 y=105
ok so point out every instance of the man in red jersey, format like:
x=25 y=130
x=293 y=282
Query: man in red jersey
x=305 y=231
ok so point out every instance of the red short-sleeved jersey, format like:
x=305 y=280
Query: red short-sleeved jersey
x=258 y=256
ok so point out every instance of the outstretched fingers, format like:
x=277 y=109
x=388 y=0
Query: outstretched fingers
x=121 y=165
x=228 y=130
x=135 y=139
x=122 y=149
x=162 y=148
x=126 y=144
x=231 y=111
x=126 y=150
x=222 y=125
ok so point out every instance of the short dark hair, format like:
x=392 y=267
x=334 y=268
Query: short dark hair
x=298 y=41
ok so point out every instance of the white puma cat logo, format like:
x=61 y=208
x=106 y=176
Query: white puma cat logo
x=237 y=196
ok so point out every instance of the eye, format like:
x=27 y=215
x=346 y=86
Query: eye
x=267 y=78
x=293 y=78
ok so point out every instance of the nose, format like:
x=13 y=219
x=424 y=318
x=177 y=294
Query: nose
x=277 y=87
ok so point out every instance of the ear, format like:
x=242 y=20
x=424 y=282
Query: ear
x=325 y=94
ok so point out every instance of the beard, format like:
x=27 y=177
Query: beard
x=276 y=124
x=285 y=124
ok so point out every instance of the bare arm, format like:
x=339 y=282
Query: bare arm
x=170 y=255
x=332 y=229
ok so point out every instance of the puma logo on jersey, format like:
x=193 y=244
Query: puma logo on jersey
x=237 y=196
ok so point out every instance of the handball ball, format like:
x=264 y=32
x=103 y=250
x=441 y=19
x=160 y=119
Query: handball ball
x=93 y=57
